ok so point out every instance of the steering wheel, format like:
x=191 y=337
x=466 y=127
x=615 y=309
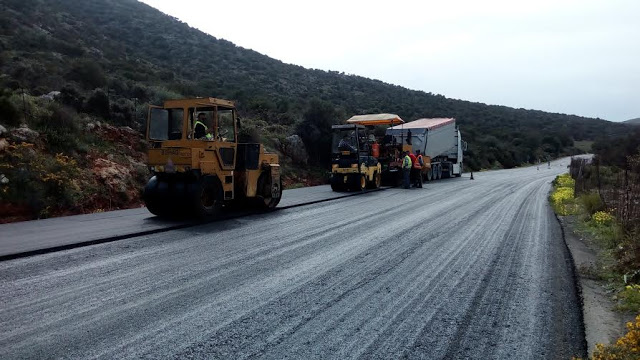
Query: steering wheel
x=222 y=134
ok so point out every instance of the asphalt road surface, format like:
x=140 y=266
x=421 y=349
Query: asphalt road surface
x=39 y=236
x=458 y=269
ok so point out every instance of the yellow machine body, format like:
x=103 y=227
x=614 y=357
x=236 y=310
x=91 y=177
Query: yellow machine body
x=194 y=154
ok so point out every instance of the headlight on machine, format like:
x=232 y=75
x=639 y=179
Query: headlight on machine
x=355 y=166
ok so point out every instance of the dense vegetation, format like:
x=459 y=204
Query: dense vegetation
x=110 y=58
x=603 y=194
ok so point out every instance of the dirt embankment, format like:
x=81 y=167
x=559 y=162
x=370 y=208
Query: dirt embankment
x=106 y=173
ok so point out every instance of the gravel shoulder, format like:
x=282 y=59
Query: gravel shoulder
x=602 y=323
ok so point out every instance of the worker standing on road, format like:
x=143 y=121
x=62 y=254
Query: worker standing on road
x=417 y=169
x=406 y=169
x=412 y=174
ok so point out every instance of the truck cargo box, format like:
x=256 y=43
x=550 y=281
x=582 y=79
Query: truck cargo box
x=433 y=137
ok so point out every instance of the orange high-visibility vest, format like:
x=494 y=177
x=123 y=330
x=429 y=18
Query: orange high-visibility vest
x=416 y=164
x=375 y=150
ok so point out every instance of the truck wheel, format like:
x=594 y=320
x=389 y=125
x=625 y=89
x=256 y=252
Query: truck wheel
x=439 y=167
x=447 y=170
x=377 y=180
x=429 y=175
x=208 y=198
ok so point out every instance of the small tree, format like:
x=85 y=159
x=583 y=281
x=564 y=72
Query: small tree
x=9 y=113
x=88 y=73
x=315 y=130
x=98 y=103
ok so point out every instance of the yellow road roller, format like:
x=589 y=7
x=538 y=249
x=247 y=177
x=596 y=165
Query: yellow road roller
x=198 y=165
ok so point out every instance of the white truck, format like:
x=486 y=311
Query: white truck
x=439 y=142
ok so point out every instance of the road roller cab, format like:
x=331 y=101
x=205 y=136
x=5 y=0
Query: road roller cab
x=354 y=163
x=198 y=166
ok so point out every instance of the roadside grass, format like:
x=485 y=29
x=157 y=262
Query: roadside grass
x=601 y=229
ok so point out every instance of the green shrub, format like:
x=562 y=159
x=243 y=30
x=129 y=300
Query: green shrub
x=98 y=104
x=88 y=73
x=60 y=126
x=9 y=113
x=40 y=181
x=591 y=202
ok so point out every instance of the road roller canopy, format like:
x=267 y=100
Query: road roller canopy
x=208 y=119
x=376 y=119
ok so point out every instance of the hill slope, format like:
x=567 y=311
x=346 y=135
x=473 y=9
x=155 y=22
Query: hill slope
x=635 y=121
x=109 y=58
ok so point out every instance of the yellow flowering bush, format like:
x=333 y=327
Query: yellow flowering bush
x=626 y=348
x=602 y=218
x=565 y=181
x=562 y=195
x=562 y=198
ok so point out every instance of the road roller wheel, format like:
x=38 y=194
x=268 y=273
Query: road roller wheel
x=377 y=180
x=361 y=184
x=208 y=198
x=269 y=194
x=153 y=198
x=337 y=183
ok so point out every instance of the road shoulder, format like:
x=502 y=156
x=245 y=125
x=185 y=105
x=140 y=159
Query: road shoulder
x=603 y=325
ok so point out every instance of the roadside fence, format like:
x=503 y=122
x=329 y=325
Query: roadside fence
x=619 y=189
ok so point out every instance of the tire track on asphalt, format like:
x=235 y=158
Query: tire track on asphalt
x=354 y=278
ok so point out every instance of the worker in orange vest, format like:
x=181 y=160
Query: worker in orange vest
x=417 y=169
x=413 y=170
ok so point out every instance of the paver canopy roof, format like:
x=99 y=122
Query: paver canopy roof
x=376 y=119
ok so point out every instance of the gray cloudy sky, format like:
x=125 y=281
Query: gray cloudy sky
x=575 y=57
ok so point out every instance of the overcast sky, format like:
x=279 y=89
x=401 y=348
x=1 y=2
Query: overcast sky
x=575 y=57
